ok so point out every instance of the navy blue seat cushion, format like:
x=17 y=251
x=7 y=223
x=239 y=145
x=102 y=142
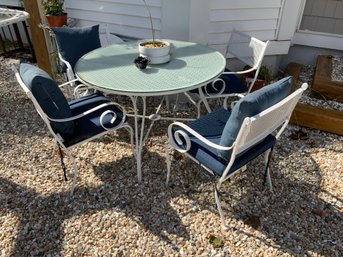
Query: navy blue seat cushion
x=211 y=127
x=48 y=96
x=251 y=105
x=89 y=125
x=73 y=43
x=233 y=85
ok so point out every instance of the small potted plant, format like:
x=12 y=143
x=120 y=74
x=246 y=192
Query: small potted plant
x=54 y=13
x=157 y=51
x=264 y=77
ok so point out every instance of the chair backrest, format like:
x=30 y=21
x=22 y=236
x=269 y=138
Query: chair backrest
x=247 y=49
x=107 y=38
x=257 y=115
x=46 y=97
x=73 y=43
x=256 y=128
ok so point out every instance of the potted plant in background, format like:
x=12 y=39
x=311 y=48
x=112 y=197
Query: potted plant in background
x=264 y=77
x=54 y=13
x=157 y=51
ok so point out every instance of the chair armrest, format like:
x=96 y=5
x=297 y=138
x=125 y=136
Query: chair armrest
x=67 y=83
x=175 y=138
x=240 y=72
x=87 y=112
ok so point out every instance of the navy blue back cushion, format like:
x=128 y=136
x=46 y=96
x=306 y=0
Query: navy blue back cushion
x=73 y=43
x=251 y=105
x=48 y=96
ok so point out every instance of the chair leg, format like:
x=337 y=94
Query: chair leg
x=168 y=162
x=219 y=207
x=75 y=171
x=267 y=177
x=175 y=107
x=54 y=147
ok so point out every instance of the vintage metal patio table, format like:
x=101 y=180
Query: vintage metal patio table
x=111 y=69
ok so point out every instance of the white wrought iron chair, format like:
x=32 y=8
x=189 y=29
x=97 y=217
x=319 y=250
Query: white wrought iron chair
x=247 y=49
x=70 y=123
x=72 y=43
x=223 y=142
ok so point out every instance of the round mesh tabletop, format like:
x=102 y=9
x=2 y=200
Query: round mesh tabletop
x=112 y=69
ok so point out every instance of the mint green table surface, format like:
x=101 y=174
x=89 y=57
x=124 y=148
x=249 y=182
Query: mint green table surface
x=111 y=69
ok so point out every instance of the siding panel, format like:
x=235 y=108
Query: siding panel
x=248 y=25
x=322 y=16
x=244 y=14
x=124 y=17
x=257 y=18
x=242 y=4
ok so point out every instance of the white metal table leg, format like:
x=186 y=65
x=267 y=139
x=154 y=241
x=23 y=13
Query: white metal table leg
x=139 y=135
x=140 y=138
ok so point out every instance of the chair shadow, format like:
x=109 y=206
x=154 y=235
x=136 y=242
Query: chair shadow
x=294 y=217
x=41 y=217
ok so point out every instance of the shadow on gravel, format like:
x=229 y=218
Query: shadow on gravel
x=40 y=231
x=294 y=218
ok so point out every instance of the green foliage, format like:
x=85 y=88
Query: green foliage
x=216 y=241
x=263 y=74
x=53 y=7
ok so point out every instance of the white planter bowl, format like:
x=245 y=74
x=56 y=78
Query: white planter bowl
x=155 y=55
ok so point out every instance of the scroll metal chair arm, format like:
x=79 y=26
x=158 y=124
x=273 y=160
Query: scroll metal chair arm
x=87 y=113
x=176 y=138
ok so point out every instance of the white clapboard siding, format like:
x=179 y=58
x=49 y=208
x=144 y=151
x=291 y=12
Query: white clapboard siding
x=256 y=18
x=323 y=16
x=123 y=17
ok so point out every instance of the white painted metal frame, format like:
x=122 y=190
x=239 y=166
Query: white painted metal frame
x=58 y=139
x=253 y=130
x=140 y=134
x=250 y=51
x=106 y=38
x=9 y=16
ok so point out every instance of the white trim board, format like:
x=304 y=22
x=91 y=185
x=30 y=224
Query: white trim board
x=321 y=40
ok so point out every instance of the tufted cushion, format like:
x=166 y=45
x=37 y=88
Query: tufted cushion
x=48 y=95
x=73 y=43
x=89 y=125
x=251 y=105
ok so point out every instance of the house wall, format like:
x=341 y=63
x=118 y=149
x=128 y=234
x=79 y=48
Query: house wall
x=124 y=17
x=257 y=18
x=320 y=25
x=203 y=21
x=323 y=16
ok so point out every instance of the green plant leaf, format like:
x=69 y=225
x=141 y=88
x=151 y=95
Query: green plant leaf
x=215 y=241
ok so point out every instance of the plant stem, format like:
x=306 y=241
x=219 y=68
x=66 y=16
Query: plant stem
x=152 y=25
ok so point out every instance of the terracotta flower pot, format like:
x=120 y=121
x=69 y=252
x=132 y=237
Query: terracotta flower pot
x=56 y=21
x=259 y=83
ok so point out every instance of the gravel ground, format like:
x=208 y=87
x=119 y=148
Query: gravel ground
x=110 y=214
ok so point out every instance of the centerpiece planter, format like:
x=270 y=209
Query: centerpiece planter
x=157 y=51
